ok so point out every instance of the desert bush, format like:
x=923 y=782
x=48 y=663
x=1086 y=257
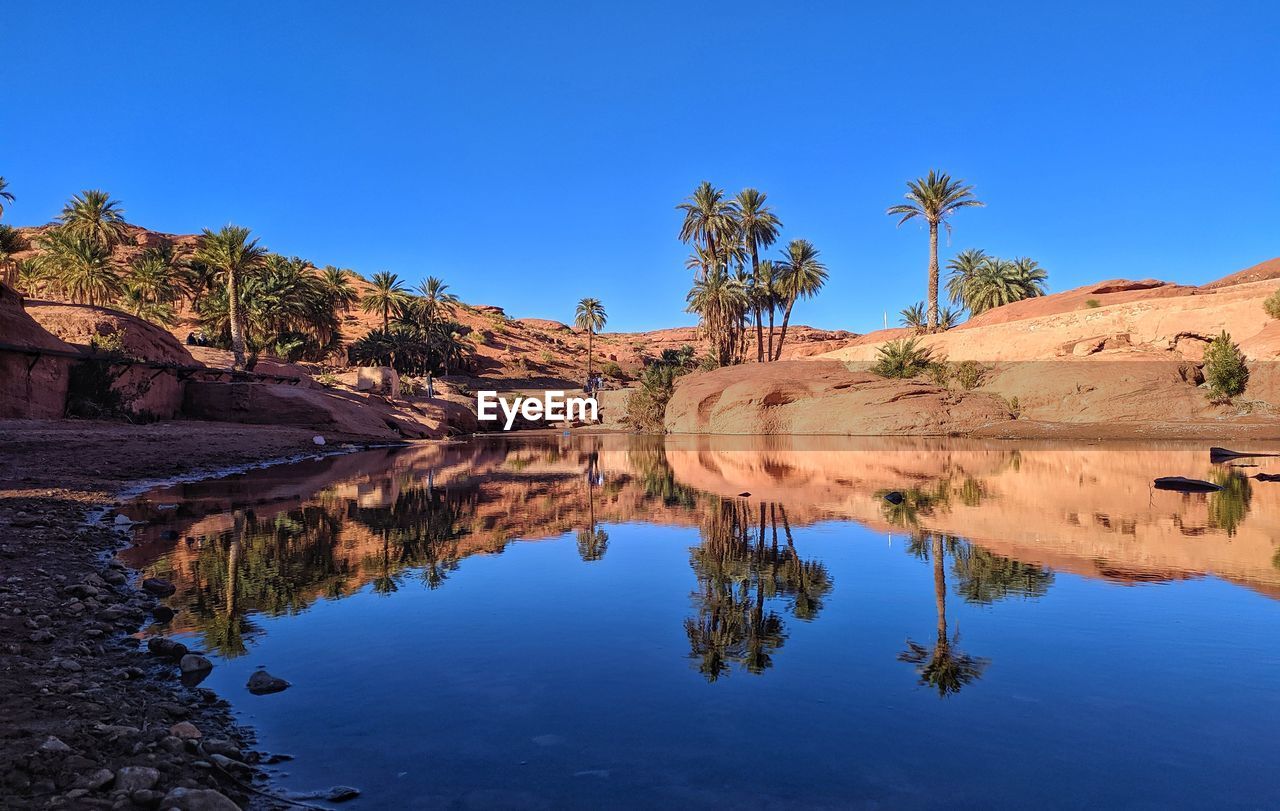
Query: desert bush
x=902 y=358
x=547 y=356
x=1225 y=371
x=940 y=372
x=612 y=369
x=1093 y=304
x=969 y=374
x=646 y=407
x=91 y=391
x=1272 y=304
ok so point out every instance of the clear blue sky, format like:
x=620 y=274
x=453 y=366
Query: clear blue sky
x=533 y=153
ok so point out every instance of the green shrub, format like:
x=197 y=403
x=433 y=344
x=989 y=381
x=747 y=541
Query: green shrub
x=940 y=373
x=612 y=369
x=1225 y=372
x=902 y=358
x=646 y=407
x=1272 y=304
x=1093 y=304
x=547 y=356
x=970 y=374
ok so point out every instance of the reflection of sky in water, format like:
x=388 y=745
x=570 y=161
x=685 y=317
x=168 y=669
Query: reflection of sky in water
x=532 y=679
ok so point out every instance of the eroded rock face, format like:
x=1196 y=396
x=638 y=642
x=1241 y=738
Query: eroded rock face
x=143 y=391
x=822 y=397
x=31 y=386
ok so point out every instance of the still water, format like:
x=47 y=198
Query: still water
x=605 y=621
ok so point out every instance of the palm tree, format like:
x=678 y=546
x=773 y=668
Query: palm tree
x=915 y=317
x=386 y=293
x=232 y=253
x=92 y=215
x=337 y=287
x=997 y=282
x=766 y=290
x=590 y=316
x=81 y=269
x=935 y=198
x=801 y=275
x=719 y=300
x=759 y=227
x=962 y=268
x=709 y=219
x=6 y=196
x=435 y=301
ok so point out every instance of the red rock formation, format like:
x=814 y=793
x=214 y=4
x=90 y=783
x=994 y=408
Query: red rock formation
x=32 y=386
x=822 y=397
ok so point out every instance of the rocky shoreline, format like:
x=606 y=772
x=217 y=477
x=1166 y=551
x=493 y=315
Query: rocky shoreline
x=89 y=718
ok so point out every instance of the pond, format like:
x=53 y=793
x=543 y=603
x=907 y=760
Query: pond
x=616 y=621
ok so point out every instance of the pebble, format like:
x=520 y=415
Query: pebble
x=136 y=778
x=158 y=586
x=194 y=663
x=52 y=744
x=262 y=683
x=195 y=799
x=184 y=730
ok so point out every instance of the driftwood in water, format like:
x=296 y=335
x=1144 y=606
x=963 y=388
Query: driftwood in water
x=1184 y=485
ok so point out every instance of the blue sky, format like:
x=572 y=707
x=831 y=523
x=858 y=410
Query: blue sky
x=533 y=153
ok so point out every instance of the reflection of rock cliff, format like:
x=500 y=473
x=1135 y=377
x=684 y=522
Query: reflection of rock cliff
x=1089 y=510
x=278 y=539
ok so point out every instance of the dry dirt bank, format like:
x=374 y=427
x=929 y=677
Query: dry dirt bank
x=88 y=719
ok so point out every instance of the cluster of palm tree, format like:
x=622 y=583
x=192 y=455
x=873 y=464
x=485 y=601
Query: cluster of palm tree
x=733 y=286
x=418 y=334
x=979 y=282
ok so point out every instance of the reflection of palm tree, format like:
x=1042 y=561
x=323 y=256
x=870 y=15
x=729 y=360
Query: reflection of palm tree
x=739 y=572
x=592 y=542
x=944 y=667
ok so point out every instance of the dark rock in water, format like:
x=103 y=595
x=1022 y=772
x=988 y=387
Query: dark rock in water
x=194 y=663
x=262 y=682
x=1184 y=485
x=1268 y=477
x=340 y=794
x=162 y=613
x=1217 y=455
x=744 y=495
x=166 y=648
x=158 y=586
x=893 y=497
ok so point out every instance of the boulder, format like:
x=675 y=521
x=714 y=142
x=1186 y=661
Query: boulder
x=261 y=683
x=32 y=387
x=822 y=397
x=376 y=379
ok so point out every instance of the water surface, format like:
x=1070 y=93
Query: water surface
x=598 y=621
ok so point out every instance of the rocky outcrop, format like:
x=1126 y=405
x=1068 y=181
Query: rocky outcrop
x=32 y=386
x=143 y=391
x=328 y=411
x=822 y=397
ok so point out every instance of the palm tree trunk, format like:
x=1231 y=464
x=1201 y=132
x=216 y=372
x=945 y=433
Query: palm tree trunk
x=386 y=316
x=933 y=277
x=782 y=336
x=589 y=332
x=771 y=309
x=940 y=589
x=233 y=313
x=755 y=274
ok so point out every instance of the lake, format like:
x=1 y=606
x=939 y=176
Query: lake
x=612 y=621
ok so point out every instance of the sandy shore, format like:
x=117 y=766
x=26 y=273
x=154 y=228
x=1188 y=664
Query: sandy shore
x=88 y=718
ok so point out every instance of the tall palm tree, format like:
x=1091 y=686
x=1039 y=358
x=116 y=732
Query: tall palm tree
x=233 y=254
x=709 y=220
x=766 y=291
x=759 y=228
x=590 y=316
x=934 y=198
x=801 y=275
x=386 y=293
x=92 y=215
x=6 y=196
x=436 y=302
